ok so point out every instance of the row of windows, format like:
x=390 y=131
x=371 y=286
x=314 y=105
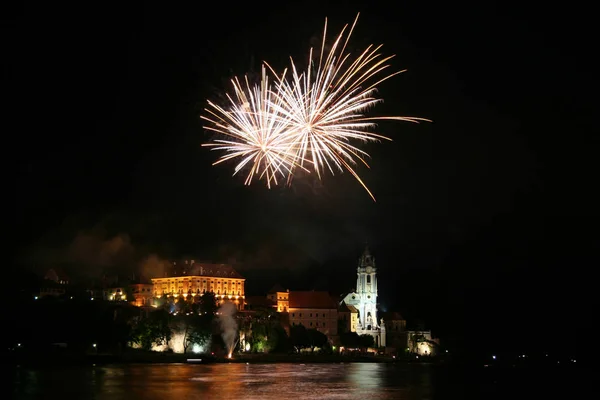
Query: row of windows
x=180 y=291
x=310 y=315
x=197 y=280
x=311 y=324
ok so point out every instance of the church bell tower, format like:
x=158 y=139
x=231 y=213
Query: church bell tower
x=366 y=288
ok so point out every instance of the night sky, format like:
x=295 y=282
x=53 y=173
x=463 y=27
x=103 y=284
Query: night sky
x=483 y=219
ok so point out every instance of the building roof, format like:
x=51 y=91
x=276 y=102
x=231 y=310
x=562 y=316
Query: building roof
x=347 y=308
x=204 y=269
x=312 y=299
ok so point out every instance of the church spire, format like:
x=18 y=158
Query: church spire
x=366 y=260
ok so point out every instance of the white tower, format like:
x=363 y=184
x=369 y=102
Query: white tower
x=364 y=300
x=366 y=288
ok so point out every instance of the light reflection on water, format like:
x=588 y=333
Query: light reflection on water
x=227 y=381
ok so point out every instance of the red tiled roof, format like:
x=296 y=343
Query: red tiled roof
x=312 y=299
x=212 y=270
x=347 y=308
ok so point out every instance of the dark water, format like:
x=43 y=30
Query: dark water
x=266 y=381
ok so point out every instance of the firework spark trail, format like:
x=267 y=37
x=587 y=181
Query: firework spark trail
x=255 y=134
x=326 y=108
x=307 y=119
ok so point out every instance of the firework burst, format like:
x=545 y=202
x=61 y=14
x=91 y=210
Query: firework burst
x=254 y=133
x=307 y=119
x=325 y=105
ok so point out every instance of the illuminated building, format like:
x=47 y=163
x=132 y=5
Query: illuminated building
x=421 y=343
x=280 y=298
x=142 y=294
x=55 y=283
x=314 y=310
x=189 y=279
x=395 y=328
x=364 y=299
x=348 y=315
x=115 y=294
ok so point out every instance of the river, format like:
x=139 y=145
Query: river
x=257 y=381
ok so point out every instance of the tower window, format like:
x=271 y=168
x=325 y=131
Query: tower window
x=368 y=278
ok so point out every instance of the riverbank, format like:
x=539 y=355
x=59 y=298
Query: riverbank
x=139 y=356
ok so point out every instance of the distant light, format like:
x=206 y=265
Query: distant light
x=417 y=356
x=523 y=355
x=18 y=344
x=35 y=298
x=574 y=360
x=91 y=298
x=494 y=357
x=94 y=345
x=71 y=297
x=446 y=351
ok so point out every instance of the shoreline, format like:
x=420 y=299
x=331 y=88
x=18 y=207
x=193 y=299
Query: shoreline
x=33 y=359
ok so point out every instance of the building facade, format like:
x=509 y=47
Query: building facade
x=142 y=294
x=315 y=310
x=280 y=297
x=348 y=317
x=190 y=279
x=364 y=300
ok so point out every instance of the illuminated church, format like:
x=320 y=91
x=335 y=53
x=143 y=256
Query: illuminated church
x=364 y=300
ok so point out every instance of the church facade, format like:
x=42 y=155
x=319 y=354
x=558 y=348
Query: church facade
x=364 y=299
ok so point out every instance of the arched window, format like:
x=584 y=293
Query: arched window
x=368 y=278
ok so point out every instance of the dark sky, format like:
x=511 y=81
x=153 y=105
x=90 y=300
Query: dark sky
x=494 y=201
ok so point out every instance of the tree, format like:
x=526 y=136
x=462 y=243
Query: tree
x=316 y=339
x=195 y=329
x=366 y=341
x=299 y=337
x=350 y=340
x=208 y=304
x=153 y=330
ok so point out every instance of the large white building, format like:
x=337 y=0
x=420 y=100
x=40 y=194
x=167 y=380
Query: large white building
x=364 y=299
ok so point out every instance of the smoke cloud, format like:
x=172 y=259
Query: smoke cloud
x=229 y=327
x=89 y=249
x=153 y=266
